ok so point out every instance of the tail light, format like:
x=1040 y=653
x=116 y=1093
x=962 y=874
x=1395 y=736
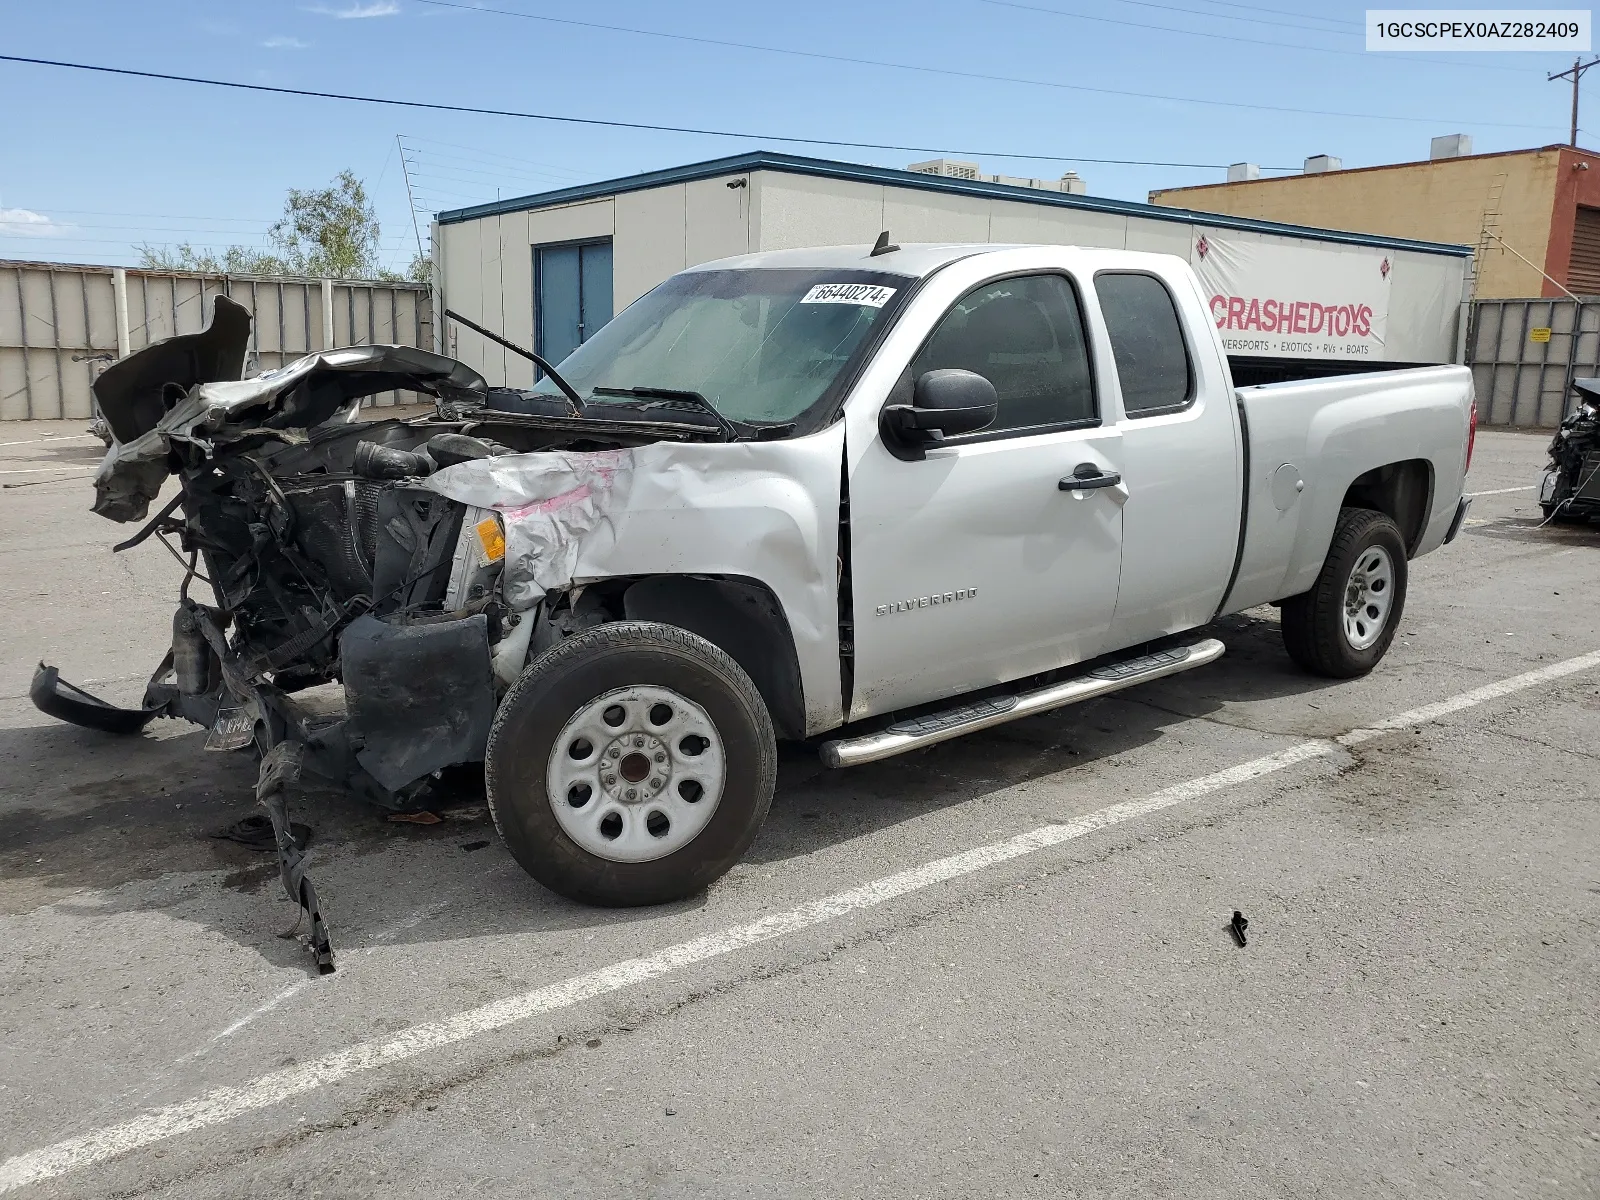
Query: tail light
x=1472 y=436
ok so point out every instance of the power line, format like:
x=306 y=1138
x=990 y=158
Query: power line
x=1351 y=25
x=95 y=212
x=530 y=116
x=988 y=78
x=1228 y=37
x=450 y=162
x=482 y=153
x=1282 y=12
x=425 y=172
x=186 y=229
x=43 y=242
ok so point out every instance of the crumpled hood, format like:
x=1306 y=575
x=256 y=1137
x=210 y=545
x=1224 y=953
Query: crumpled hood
x=180 y=390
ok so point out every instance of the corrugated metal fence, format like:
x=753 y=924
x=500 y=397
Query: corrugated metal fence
x=1524 y=353
x=61 y=325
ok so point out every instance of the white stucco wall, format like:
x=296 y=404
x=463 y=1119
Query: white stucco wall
x=487 y=264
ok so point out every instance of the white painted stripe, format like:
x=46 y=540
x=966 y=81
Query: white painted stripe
x=1490 y=691
x=1503 y=491
x=46 y=470
x=226 y=1103
x=63 y=437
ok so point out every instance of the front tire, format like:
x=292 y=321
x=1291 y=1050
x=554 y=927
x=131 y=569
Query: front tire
x=1343 y=625
x=632 y=764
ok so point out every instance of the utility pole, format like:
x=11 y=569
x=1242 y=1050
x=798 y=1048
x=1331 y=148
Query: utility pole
x=1575 y=74
x=406 y=171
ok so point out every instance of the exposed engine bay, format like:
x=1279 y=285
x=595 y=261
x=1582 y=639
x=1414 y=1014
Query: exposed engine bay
x=320 y=549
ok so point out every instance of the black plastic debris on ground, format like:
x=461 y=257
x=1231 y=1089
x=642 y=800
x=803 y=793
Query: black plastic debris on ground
x=1237 y=926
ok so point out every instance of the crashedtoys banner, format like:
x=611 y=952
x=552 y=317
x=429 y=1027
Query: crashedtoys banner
x=1287 y=301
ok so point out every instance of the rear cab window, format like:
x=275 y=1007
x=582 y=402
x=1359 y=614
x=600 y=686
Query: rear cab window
x=1147 y=343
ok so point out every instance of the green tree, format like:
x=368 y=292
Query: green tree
x=324 y=232
x=331 y=231
x=235 y=260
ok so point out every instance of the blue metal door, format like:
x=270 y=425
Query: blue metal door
x=594 y=280
x=572 y=286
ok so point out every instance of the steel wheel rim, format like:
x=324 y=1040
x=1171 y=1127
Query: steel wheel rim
x=628 y=787
x=1368 y=597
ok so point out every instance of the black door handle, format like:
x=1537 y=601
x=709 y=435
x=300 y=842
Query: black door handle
x=1086 y=477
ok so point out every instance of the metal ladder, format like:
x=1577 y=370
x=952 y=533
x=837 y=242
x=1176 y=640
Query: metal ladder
x=1489 y=230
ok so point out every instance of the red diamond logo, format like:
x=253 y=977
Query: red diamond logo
x=1384 y=269
x=1202 y=246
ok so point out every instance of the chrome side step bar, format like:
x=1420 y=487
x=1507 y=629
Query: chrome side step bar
x=917 y=732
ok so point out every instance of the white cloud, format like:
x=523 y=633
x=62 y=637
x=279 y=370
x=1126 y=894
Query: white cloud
x=283 y=42
x=24 y=222
x=358 y=10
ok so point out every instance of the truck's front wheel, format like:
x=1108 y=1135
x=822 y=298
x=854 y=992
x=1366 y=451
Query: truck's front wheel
x=632 y=764
x=1344 y=624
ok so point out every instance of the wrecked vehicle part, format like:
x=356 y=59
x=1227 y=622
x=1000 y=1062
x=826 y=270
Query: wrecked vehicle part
x=198 y=409
x=571 y=396
x=280 y=770
x=53 y=695
x=666 y=509
x=420 y=697
x=349 y=554
x=131 y=392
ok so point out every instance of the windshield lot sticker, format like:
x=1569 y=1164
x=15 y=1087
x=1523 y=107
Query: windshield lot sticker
x=869 y=295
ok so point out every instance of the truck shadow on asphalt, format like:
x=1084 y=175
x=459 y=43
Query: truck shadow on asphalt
x=98 y=826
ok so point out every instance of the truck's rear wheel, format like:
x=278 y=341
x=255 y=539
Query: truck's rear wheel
x=1343 y=625
x=632 y=764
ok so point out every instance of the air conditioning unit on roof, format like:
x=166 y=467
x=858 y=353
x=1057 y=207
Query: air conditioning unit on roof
x=948 y=167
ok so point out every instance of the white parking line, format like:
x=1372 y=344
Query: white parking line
x=226 y=1103
x=64 y=437
x=45 y=470
x=1503 y=491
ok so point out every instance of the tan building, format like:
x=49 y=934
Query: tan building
x=1533 y=214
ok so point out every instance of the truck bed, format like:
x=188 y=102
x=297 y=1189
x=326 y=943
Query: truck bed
x=1307 y=443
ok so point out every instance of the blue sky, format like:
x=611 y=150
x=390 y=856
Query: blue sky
x=91 y=165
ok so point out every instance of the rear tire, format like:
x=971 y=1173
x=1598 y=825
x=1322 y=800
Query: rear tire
x=632 y=764
x=1343 y=625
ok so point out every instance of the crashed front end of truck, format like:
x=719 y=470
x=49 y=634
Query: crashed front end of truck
x=320 y=549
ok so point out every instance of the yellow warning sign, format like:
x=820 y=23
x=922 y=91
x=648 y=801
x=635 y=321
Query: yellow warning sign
x=1542 y=334
x=494 y=541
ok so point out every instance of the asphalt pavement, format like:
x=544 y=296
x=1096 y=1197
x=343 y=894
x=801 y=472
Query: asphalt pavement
x=997 y=967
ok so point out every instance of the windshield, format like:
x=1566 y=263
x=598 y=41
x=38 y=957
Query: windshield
x=762 y=346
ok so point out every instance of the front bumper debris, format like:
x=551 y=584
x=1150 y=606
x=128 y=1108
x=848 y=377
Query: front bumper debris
x=67 y=702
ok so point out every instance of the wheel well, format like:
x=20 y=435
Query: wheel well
x=744 y=620
x=1401 y=491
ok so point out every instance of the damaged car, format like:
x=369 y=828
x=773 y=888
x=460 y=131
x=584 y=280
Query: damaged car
x=869 y=499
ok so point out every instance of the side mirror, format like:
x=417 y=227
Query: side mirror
x=944 y=403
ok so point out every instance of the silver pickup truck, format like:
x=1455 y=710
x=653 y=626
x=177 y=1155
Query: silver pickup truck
x=867 y=499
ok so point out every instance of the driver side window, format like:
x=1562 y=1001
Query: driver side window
x=1024 y=335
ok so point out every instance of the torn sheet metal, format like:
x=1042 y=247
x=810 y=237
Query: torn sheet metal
x=555 y=504
x=175 y=394
x=764 y=511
